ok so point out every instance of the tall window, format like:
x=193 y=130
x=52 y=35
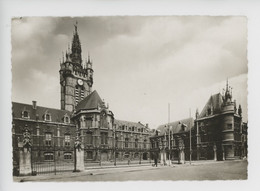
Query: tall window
x=145 y=142
x=126 y=142
x=116 y=142
x=103 y=138
x=79 y=94
x=67 y=140
x=89 y=138
x=136 y=143
x=48 y=139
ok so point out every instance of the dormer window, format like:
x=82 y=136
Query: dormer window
x=47 y=117
x=25 y=114
x=66 y=119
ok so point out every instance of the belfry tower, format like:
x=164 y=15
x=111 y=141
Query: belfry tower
x=76 y=76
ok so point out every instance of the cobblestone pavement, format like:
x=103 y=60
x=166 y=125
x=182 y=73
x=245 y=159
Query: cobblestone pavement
x=198 y=170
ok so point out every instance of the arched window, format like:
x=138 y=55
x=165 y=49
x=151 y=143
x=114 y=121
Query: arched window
x=66 y=119
x=25 y=114
x=47 y=117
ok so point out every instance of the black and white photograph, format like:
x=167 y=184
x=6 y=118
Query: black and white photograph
x=129 y=98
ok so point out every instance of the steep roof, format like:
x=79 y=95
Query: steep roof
x=128 y=123
x=216 y=102
x=176 y=126
x=90 y=102
x=57 y=115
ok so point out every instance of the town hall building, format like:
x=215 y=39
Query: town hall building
x=42 y=135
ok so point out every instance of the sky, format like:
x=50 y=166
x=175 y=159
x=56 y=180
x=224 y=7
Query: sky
x=141 y=63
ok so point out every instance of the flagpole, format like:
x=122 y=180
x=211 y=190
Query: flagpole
x=190 y=137
x=169 y=145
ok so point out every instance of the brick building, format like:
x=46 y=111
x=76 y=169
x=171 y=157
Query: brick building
x=52 y=132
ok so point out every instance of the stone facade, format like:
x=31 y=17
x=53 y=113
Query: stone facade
x=219 y=128
x=172 y=141
x=76 y=77
x=217 y=133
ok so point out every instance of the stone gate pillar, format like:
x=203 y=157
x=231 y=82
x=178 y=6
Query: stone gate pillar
x=182 y=155
x=223 y=153
x=79 y=156
x=25 y=163
x=215 y=152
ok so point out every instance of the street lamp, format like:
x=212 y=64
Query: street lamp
x=114 y=131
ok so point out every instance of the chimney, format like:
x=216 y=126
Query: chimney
x=146 y=125
x=34 y=104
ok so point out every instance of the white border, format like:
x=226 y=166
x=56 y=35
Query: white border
x=17 y=8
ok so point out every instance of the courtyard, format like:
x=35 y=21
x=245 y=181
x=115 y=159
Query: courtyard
x=198 y=170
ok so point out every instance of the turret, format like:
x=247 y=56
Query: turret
x=228 y=94
x=239 y=110
x=197 y=113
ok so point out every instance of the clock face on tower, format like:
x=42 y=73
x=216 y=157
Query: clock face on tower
x=80 y=82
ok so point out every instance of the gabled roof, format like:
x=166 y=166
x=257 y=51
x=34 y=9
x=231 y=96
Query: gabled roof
x=90 y=102
x=216 y=102
x=176 y=126
x=57 y=115
x=128 y=123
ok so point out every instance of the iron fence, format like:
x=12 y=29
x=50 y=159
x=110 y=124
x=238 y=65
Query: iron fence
x=52 y=167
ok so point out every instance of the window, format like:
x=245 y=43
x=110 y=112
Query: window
x=136 y=143
x=47 y=117
x=116 y=142
x=58 y=132
x=48 y=156
x=67 y=120
x=229 y=126
x=37 y=131
x=145 y=141
x=103 y=138
x=48 y=139
x=89 y=154
x=89 y=138
x=126 y=142
x=67 y=155
x=25 y=114
x=209 y=111
x=67 y=140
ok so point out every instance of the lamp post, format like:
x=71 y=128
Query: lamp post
x=169 y=137
x=114 y=131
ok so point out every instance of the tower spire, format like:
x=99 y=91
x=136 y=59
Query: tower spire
x=76 y=47
x=227 y=85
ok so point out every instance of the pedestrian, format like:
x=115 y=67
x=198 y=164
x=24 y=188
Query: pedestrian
x=155 y=160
